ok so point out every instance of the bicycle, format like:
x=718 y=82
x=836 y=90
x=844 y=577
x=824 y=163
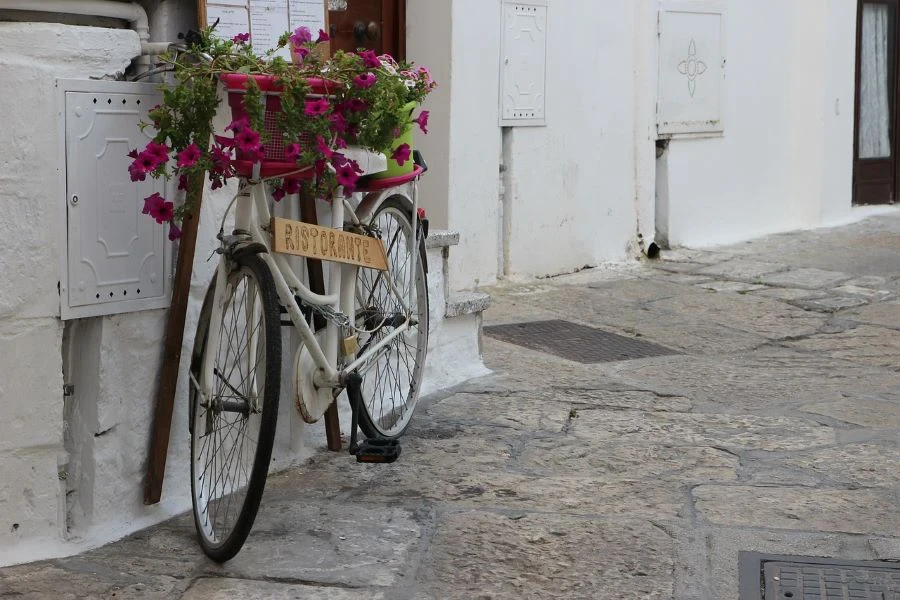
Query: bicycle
x=367 y=334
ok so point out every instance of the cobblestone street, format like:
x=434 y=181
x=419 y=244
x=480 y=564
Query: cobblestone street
x=773 y=427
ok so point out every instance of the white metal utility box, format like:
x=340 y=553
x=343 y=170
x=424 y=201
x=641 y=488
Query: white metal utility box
x=117 y=259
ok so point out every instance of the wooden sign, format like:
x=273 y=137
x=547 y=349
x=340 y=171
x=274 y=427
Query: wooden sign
x=264 y=20
x=324 y=243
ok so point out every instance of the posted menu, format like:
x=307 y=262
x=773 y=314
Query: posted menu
x=265 y=20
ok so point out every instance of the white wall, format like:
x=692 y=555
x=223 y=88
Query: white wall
x=785 y=160
x=32 y=453
x=573 y=182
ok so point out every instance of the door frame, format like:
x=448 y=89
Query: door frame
x=878 y=172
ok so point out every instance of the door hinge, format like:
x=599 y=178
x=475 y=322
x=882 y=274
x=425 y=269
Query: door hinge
x=68 y=390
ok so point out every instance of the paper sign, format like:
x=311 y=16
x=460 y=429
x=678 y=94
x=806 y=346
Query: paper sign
x=232 y=20
x=308 y=13
x=264 y=20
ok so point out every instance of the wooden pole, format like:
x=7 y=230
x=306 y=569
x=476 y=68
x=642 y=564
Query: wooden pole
x=168 y=380
x=317 y=285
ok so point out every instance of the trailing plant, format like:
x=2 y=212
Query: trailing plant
x=365 y=104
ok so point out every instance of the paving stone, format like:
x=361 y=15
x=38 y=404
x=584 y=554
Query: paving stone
x=786 y=294
x=763 y=381
x=828 y=304
x=737 y=287
x=615 y=461
x=708 y=569
x=582 y=493
x=867 y=412
x=883 y=313
x=865 y=344
x=742 y=269
x=806 y=278
x=483 y=555
x=505 y=411
x=327 y=542
x=851 y=465
x=248 y=589
x=868 y=293
x=736 y=432
x=797 y=508
x=868 y=281
x=763 y=317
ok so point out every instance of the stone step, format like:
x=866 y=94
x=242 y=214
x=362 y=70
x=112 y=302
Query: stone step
x=466 y=303
x=441 y=238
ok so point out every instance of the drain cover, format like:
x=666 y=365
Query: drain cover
x=575 y=342
x=804 y=578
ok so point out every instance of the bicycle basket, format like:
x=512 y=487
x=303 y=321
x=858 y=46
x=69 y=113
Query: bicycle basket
x=273 y=163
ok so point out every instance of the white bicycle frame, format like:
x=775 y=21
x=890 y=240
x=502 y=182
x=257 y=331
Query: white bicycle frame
x=253 y=215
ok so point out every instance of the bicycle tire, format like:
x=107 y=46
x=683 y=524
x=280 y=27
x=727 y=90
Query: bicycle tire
x=212 y=429
x=379 y=419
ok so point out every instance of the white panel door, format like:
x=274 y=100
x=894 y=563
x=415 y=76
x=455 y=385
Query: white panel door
x=523 y=63
x=691 y=68
x=116 y=255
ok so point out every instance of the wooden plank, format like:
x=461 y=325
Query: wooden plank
x=317 y=285
x=324 y=243
x=168 y=381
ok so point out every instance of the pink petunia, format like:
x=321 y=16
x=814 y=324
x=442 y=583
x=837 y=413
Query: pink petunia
x=357 y=105
x=340 y=143
x=401 y=154
x=301 y=53
x=292 y=152
x=323 y=37
x=291 y=186
x=174 y=232
x=420 y=213
x=338 y=122
x=183 y=182
x=370 y=59
x=221 y=159
x=238 y=125
x=137 y=172
x=318 y=107
x=189 y=156
x=278 y=194
x=301 y=36
x=241 y=38
x=164 y=213
x=346 y=176
x=247 y=140
x=365 y=80
x=152 y=203
x=225 y=142
x=422 y=121
x=323 y=147
x=158 y=151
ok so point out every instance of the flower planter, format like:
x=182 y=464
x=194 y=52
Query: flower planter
x=274 y=163
x=394 y=169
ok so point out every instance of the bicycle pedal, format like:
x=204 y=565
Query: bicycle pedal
x=378 y=451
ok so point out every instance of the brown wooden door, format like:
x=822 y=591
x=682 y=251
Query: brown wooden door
x=378 y=25
x=875 y=167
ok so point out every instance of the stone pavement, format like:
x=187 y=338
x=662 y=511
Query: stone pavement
x=774 y=428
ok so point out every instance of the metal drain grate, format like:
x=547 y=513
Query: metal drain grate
x=575 y=342
x=805 y=578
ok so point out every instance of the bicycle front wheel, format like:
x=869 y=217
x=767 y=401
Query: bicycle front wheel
x=386 y=301
x=232 y=430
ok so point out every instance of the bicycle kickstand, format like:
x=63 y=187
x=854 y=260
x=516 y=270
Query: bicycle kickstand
x=372 y=450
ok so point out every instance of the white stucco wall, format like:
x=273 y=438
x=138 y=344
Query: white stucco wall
x=573 y=182
x=785 y=159
x=32 y=453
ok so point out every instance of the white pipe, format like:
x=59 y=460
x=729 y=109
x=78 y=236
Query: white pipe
x=127 y=11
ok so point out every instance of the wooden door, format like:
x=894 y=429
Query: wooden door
x=378 y=25
x=875 y=167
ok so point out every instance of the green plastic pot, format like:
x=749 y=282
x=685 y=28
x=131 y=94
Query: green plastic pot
x=406 y=137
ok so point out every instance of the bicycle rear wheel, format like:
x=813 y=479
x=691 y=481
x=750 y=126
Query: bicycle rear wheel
x=391 y=385
x=232 y=431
